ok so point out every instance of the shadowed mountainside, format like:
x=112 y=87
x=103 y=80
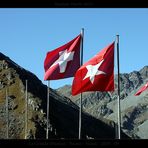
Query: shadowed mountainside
x=63 y=112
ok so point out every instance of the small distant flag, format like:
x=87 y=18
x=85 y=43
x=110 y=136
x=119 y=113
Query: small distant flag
x=143 y=88
x=64 y=61
x=97 y=74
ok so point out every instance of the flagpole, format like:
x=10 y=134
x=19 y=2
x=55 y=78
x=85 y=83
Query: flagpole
x=81 y=63
x=7 y=105
x=26 y=111
x=7 y=116
x=119 y=110
x=47 y=110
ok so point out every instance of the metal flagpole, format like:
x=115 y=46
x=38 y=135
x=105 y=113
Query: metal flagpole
x=80 y=111
x=7 y=116
x=7 y=105
x=119 y=110
x=47 y=110
x=26 y=112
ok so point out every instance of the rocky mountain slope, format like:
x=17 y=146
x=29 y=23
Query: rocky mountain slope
x=134 y=109
x=63 y=112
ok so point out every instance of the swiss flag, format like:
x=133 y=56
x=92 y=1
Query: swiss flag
x=143 y=88
x=64 y=61
x=97 y=74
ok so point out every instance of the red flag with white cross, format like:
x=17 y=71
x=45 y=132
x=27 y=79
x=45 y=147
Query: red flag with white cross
x=64 y=61
x=143 y=88
x=97 y=74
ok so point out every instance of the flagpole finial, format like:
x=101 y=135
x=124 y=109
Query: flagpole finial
x=117 y=38
x=82 y=31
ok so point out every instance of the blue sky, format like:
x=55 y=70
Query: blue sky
x=27 y=34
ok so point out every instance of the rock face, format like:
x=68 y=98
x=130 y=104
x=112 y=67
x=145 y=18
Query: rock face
x=134 y=109
x=63 y=112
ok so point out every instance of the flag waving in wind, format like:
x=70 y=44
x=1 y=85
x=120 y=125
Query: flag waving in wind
x=64 y=61
x=97 y=74
x=143 y=88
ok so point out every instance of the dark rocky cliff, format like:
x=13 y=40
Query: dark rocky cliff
x=63 y=112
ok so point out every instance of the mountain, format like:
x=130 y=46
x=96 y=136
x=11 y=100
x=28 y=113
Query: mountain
x=134 y=109
x=63 y=112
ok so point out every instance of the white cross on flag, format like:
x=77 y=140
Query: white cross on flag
x=64 y=61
